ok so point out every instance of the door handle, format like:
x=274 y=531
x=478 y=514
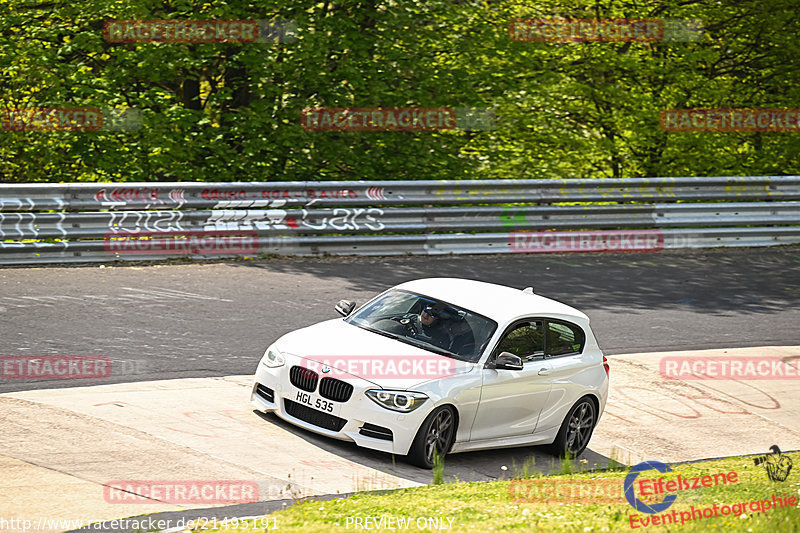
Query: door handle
x=544 y=371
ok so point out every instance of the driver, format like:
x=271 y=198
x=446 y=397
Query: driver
x=433 y=323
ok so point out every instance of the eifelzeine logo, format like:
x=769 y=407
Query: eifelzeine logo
x=777 y=465
x=181 y=31
x=377 y=118
x=725 y=119
x=586 y=30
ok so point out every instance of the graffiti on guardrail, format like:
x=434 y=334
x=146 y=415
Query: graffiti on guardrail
x=477 y=194
x=339 y=219
x=134 y=221
x=142 y=195
x=26 y=225
x=346 y=219
x=42 y=223
x=224 y=197
x=512 y=217
x=242 y=195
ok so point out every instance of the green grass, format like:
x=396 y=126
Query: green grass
x=481 y=506
x=438 y=468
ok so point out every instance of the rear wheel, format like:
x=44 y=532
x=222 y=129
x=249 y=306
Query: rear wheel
x=436 y=433
x=576 y=430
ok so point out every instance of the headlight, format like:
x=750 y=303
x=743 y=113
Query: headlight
x=402 y=401
x=272 y=358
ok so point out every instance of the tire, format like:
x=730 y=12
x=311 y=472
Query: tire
x=437 y=431
x=576 y=430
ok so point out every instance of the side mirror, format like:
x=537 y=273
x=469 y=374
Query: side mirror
x=506 y=361
x=345 y=307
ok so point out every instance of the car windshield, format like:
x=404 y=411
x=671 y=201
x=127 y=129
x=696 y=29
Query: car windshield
x=428 y=323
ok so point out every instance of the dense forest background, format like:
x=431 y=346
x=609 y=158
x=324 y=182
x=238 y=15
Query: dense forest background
x=231 y=112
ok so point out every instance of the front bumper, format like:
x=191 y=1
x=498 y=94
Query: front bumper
x=358 y=419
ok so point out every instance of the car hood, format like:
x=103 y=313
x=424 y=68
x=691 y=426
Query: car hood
x=350 y=351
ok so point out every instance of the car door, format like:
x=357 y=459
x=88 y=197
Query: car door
x=564 y=343
x=511 y=400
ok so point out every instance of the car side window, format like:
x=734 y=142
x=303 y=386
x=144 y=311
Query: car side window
x=525 y=340
x=564 y=338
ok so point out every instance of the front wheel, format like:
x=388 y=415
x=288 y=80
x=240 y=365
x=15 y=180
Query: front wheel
x=436 y=433
x=576 y=430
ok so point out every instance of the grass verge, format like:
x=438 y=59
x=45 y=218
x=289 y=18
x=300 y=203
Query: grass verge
x=517 y=505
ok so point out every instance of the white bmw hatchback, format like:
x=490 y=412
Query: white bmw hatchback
x=441 y=365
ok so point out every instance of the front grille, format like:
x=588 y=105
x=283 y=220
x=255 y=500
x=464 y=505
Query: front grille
x=265 y=392
x=312 y=416
x=303 y=378
x=335 y=389
x=376 y=432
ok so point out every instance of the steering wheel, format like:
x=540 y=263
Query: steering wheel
x=408 y=322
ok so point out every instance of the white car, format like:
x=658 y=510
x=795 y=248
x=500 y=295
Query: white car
x=441 y=366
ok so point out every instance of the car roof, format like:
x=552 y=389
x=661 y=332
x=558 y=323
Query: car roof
x=498 y=302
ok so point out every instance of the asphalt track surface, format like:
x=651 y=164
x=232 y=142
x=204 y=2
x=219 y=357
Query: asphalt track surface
x=169 y=321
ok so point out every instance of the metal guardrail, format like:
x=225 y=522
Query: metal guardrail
x=184 y=195
x=81 y=222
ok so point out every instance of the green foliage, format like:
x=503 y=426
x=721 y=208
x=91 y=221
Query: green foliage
x=526 y=471
x=497 y=506
x=438 y=467
x=225 y=112
x=566 y=465
x=614 y=464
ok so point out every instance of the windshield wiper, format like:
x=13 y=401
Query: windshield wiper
x=379 y=332
x=419 y=343
x=430 y=347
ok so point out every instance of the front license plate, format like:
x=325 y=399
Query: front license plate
x=316 y=402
